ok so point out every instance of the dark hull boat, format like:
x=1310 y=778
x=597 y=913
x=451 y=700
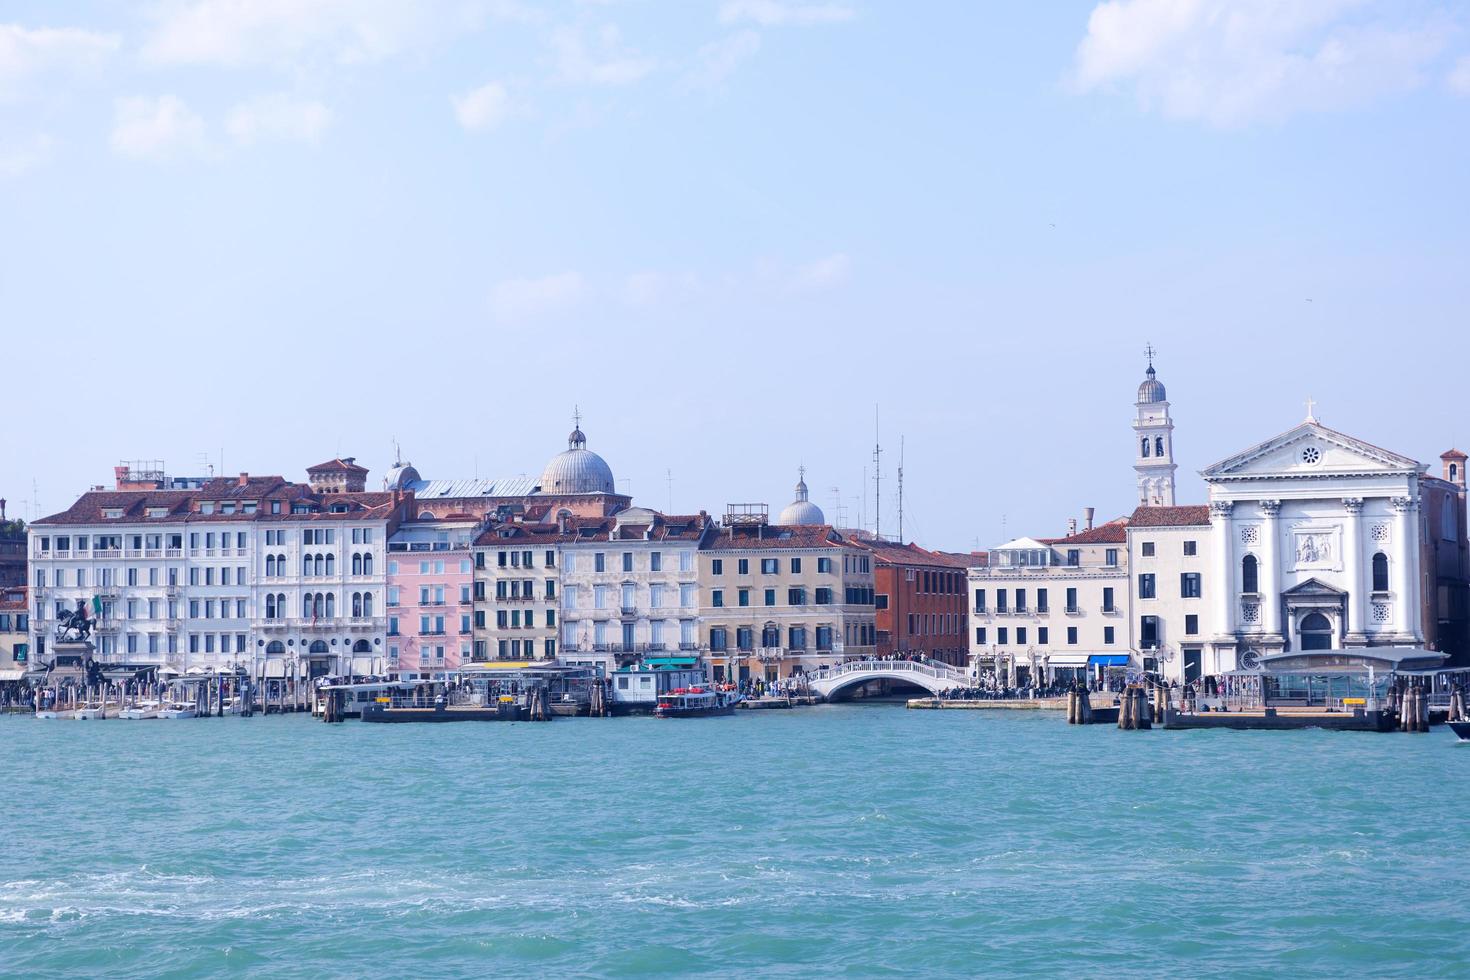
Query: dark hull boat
x=695 y=702
x=1461 y=729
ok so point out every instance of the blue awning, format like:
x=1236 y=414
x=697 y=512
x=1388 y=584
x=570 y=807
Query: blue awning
x=1108 y=660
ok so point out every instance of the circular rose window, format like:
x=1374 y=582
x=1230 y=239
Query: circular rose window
x=1311 y=455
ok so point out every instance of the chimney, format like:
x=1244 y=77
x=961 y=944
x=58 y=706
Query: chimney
x=244 y=479
x=1071 y=526
x=2 y=508
x=120 y=475
x=1087 y=513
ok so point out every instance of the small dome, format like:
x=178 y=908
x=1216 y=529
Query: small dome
x=400 y=476
x=1152 y=389
x=801 y=510
x=578 y=470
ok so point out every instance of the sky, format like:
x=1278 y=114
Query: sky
x=740 y=236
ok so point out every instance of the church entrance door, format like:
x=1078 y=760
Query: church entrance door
x=1316 y=632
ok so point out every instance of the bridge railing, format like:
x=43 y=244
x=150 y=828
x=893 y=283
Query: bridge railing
x=938 y=671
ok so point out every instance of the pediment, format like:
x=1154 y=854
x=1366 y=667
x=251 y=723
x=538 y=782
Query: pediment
x=1312 y=587
x=1310 y=450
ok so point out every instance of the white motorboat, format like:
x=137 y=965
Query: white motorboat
x=52 y=714
x=140 y=711
x=177 y=711
x=89 y=712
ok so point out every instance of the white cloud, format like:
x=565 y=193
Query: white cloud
x=22 y=156
x=518 y=299
x=832 y=270
x=775 y=13
x=239 y=33
x=717 y=60
x=277 y=117
x=1230 y=62
x=484 y=108
x=606 y=62
x=155 y=128
x=1459 y=78
x=25 y=52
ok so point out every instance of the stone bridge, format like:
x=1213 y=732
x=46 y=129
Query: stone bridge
x=933 y=677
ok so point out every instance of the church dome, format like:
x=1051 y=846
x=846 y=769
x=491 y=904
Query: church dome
x=1152 y=389
x=400 y=476
x=801 y=510
x=578 y=470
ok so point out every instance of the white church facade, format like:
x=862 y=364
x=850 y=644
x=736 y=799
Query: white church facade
x=1311 y=540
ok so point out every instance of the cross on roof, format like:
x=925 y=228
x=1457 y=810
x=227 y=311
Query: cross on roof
x=576 y=417
x=1311 y=404
x=1149 y=352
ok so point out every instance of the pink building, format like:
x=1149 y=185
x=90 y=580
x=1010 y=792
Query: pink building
x=429 y=592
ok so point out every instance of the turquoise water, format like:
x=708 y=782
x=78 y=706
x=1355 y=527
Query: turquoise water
x=842 y=839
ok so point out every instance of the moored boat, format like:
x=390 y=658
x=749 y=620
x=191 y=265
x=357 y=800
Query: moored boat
x=696 y=702
x=88 y=713
x=170 y=711
x=141 y=711
x=1461 y=729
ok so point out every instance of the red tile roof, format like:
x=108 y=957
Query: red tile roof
x=1113 y=532
x=182 y=505
x=771 y=536
x=1193 y=515
x=911 y=555
x=1453 y=454
x=337 y=466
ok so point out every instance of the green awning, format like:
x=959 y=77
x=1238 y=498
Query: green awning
x=665 y=663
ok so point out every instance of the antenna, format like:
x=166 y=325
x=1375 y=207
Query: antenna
x=863 y=510
x=877 y=480
x=839 y=509
x=669 y=478
x=900 y=489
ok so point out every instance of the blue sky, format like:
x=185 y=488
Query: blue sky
x=727 y=230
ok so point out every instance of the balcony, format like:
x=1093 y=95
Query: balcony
x=365 y=622
x=274 y=625
x=628 y=610
x=173 y=552
x=107 y=553
x=1074 y=611
x=172 y=625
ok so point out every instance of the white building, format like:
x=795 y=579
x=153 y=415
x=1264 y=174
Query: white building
x=234 y=572
x=1052 y=607
x=630 y=587
x=1153 y=432
x=1171 y=584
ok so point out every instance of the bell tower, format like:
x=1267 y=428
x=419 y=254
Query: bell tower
x=1153 y=441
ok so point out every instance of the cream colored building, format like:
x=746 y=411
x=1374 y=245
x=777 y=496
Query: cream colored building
x=517 y=592
x=779 y=600
x=1053 y=608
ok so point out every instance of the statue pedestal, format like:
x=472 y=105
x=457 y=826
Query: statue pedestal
x=69 y=658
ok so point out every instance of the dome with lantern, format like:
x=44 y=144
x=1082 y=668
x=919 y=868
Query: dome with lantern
x=801 y=511
x=577 y=470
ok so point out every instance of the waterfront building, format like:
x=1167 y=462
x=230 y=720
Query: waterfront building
x=1172 y=576
x=919 y=601
x=779 y=600
x=429 y=589
x=630 y=587
x=250 y=572
x=576 y=480
x=517 y=585
x=14 y=638
x=1049 y=608
x=1324 y=541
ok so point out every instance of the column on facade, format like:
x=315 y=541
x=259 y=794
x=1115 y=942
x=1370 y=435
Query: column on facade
x=1352 y=547
x=1401 y=565
x=1269 y=572
x=1223 y=546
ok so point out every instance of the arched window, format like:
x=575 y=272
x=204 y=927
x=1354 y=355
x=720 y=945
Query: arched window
x=318 y=647
x=281 y=565
x=367 y=603
x=1316 y=632
x=330 y=570
x=1159 y=446
x=270 y=566
x=280 y=605
x=270 y=607
x=367 y=563
x=1380 y=572
x=318 y=565
x=356 y=564
x=1250 y=579
x=316 y=605
x=357 y=603
x=331 y=604
x=275 y=647
x=306 y=565
x=1454 y=472
x=362 y=646
x=1145 y=447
